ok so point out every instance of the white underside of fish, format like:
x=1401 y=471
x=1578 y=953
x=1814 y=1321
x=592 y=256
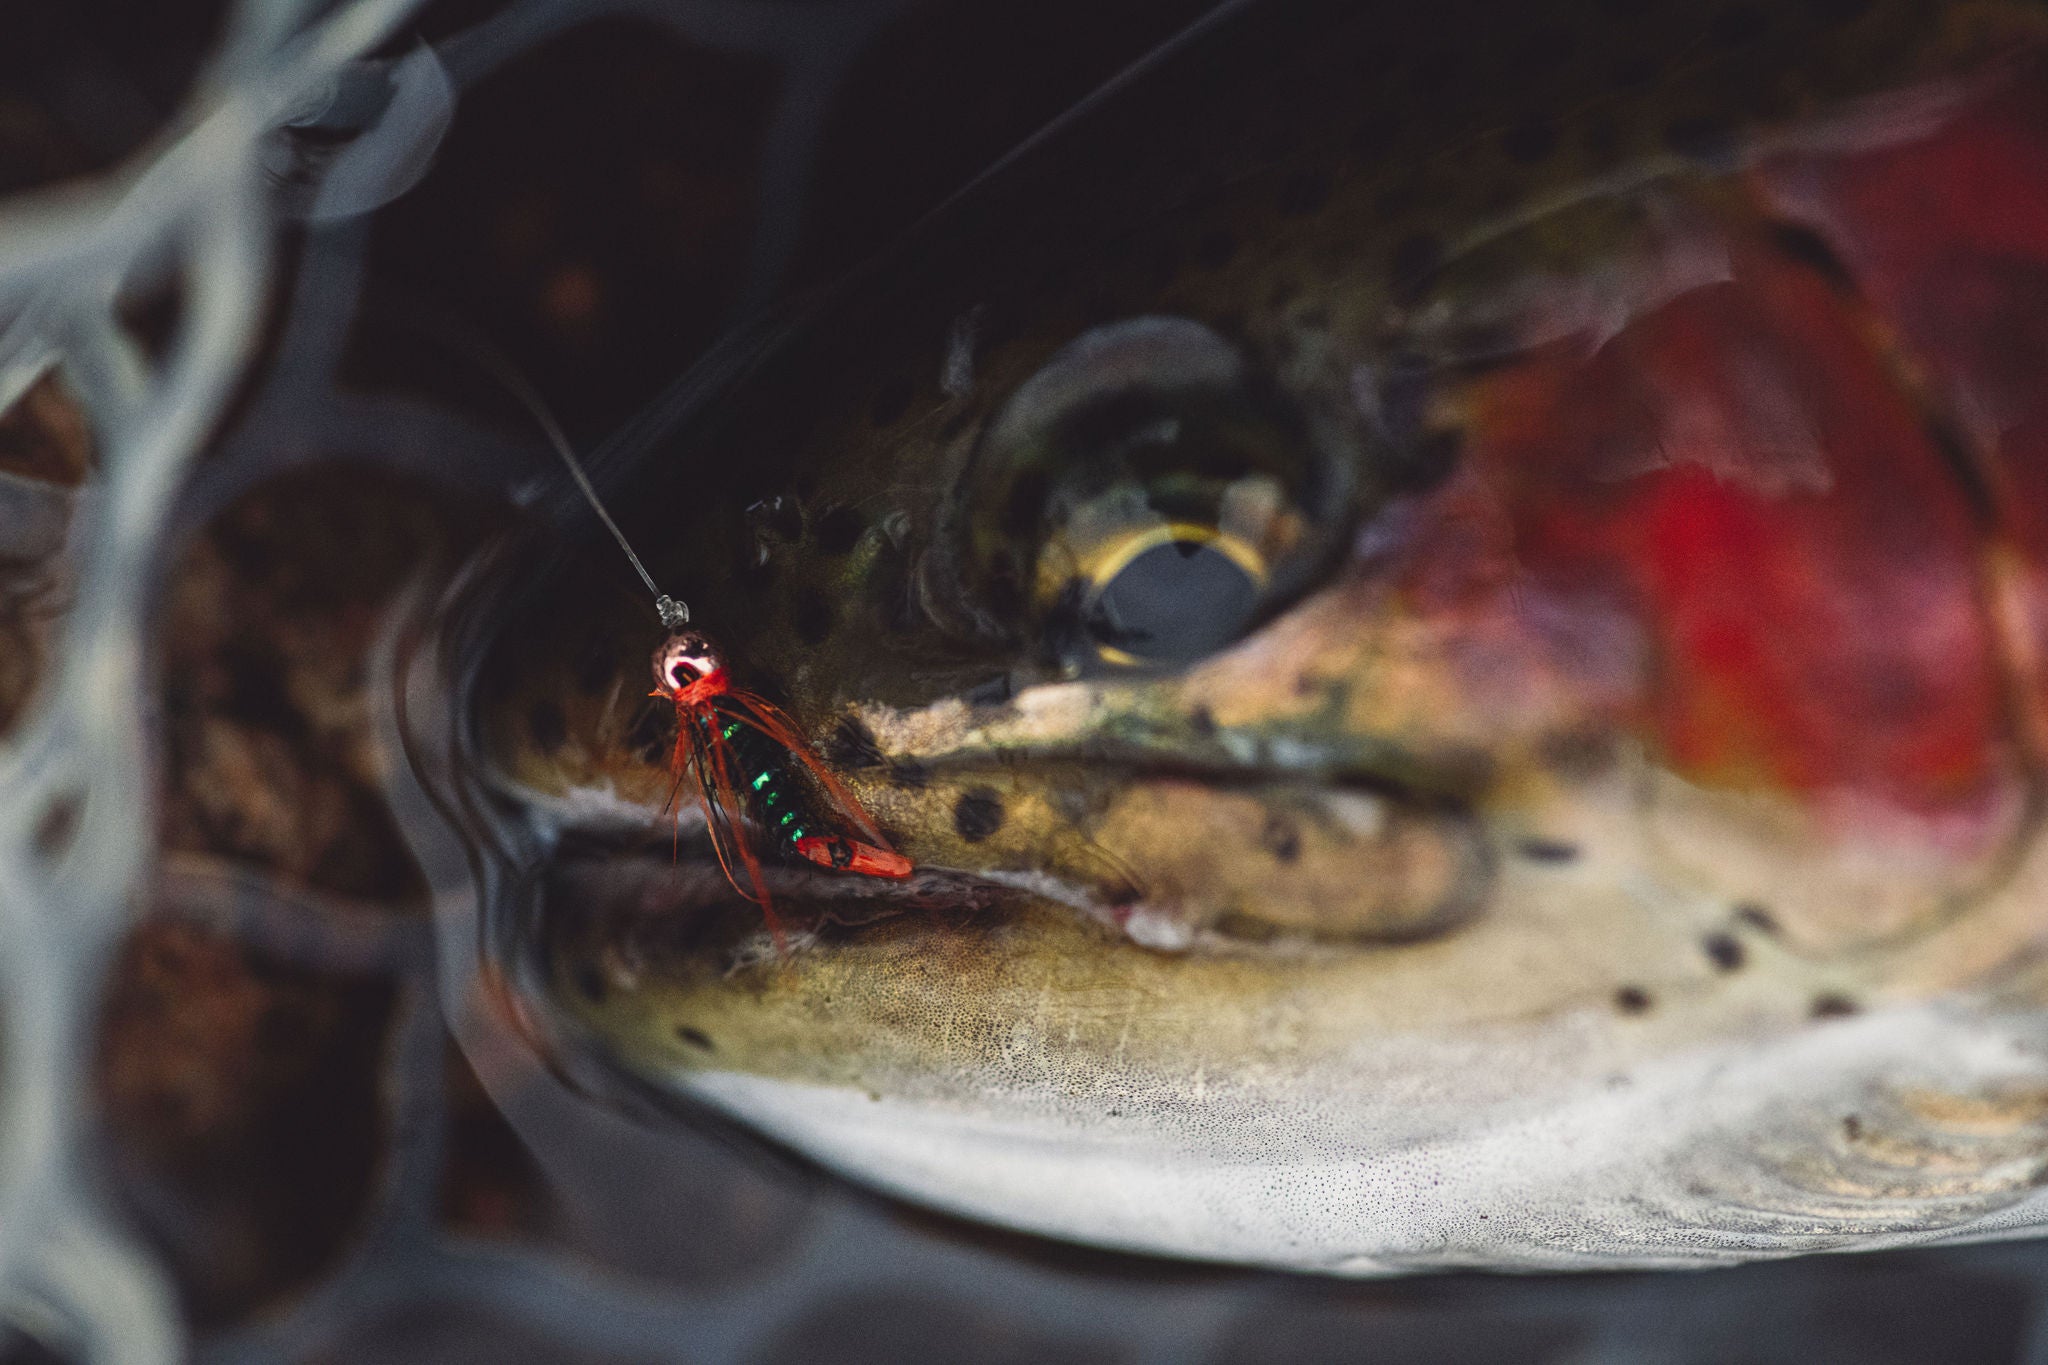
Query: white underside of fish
x=1860 y=1133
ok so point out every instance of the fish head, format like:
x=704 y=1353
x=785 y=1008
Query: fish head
x=1465 y=694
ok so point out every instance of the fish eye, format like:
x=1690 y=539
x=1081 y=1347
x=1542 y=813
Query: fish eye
x=1144 y=499
x=1166 y=594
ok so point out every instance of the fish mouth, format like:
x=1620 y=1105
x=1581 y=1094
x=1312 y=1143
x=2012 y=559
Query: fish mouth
x=1162 y=852
x=639 y=893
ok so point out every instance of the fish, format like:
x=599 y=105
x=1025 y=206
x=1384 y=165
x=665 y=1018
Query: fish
x=1449 y=604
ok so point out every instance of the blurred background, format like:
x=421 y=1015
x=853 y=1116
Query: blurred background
x=302 y=1165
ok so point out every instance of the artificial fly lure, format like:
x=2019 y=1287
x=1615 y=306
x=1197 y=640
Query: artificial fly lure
x=758 y=782
x=748 y=760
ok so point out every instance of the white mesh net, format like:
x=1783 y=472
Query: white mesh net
x=74 y=810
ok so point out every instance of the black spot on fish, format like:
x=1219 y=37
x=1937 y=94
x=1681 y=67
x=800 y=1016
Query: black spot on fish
x=852 y=746
x=1304 y=193
x=1215 y=249
x=1281 y=839
x=812 y=617
x=1757 y=918
x=695 y=1037
x=1724 y=951
x=910 y=775
x=1529 y=141
x=1830 y=1005
x=892 y=400
x=1412 y=267
x=839 y=530
x=547 y=725
x=1852 y=1128
x=1548 y=851
x=1811 y=250
x=1202 y=721
x=1632 y=1000
x=977 y=814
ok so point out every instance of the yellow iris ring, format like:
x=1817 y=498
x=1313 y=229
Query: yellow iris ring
x=1124 y=549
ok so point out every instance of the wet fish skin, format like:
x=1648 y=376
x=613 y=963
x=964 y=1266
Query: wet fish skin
x=1631 y=777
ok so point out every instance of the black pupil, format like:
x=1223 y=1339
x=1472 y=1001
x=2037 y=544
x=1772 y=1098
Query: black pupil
x=1175 y=603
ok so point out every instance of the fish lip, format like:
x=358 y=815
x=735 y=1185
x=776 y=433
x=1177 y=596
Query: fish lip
x=810 y=897
x=1451 y=803
x=807 y=898
x=1189 y=747
x=1452 y=785
x=643 y=847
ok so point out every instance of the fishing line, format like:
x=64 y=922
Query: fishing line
x=473 y=347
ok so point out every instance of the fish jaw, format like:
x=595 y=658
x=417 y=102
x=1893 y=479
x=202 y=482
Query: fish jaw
x=1388 y=1110
x=1635 y=1169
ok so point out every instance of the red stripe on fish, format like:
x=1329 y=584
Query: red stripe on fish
x=1739 y=470
x=1947 y=235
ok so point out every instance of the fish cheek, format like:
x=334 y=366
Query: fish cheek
x=1740 y=472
